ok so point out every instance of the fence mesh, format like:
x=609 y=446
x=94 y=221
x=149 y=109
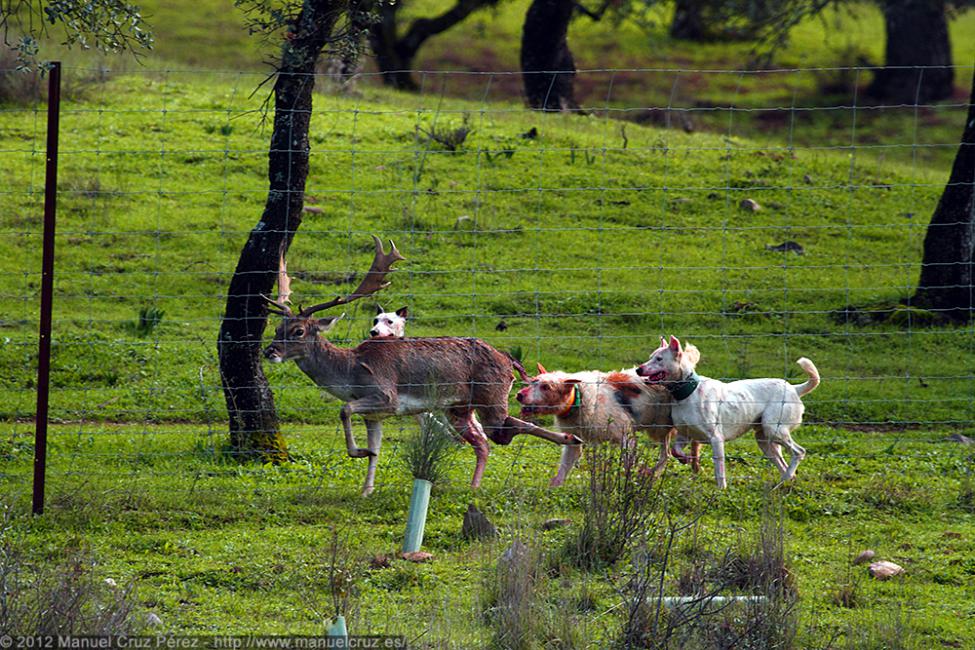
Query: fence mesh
x=785 y=222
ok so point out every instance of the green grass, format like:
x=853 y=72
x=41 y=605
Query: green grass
x=586 y=249
x=216 y=547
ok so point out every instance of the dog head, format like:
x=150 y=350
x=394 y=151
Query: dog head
x=389 y=324
x=547 y=393
x=669 y=362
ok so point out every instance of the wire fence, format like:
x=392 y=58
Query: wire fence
x=749 y=212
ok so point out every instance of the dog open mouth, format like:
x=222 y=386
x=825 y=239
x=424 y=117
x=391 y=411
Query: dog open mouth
x=655 y=377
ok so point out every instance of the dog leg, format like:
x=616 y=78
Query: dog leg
x=570 y=454
x=717 y=454
x=796 y=452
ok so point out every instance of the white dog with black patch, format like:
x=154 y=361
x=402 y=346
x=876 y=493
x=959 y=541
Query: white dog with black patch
x=389 y=324
x=711 y=411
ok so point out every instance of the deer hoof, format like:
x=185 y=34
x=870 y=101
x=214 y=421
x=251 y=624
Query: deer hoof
x=362 y=453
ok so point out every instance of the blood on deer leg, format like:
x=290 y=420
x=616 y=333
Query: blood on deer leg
x=472 y=433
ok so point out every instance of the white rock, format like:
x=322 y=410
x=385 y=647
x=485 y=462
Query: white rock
x=884 y=570
x=864 y=556
x=751 y=205
x=153 y=620
x=111 y=583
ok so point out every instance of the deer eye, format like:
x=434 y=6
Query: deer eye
x=299 y=332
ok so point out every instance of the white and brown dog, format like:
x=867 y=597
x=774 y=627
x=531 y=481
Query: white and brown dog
x=598 y=407
x=711 y=411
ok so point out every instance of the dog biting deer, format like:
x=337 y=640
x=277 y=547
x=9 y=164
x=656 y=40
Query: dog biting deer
x=386 y=377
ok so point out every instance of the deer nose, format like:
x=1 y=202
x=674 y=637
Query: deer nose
x=269 y=352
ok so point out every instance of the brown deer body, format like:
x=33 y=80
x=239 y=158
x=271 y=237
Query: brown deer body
x=387 y=377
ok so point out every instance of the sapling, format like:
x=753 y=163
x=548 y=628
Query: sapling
x=427 y=454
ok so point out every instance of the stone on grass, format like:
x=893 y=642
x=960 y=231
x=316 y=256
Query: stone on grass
x=153 y=620
x=476 y=525
x=417 y=556
x=864 y=556
x=552 y=524
x=958 y=437
x=885 y=570
x=749 y=205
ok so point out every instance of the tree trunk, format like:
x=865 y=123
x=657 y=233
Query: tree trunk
x=949 y=245
x=548 y=69
x=395 y=55
x=250 y=405
x=917 y=35
x=688 y=23
x=394 y=63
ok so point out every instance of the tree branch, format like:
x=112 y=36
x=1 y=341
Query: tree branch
x=423 y=28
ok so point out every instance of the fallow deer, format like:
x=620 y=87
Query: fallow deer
x=386 y=377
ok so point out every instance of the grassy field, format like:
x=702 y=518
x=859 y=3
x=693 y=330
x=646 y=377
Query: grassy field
x=586 y=241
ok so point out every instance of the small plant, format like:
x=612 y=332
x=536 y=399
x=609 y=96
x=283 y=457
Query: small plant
x=966 y=495
x=619 y=504
x=65 y=597
x=427 y=452
x=449 y=138
x=148 y=320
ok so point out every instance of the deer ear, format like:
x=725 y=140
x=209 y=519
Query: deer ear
x=328 y=322
x=541 y=368
x=379 y=309
x=402 y=312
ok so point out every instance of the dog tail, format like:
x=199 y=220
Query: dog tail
x=813 y=381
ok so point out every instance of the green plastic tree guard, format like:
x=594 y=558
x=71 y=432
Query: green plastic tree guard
x=337 y=630
x=417 y=519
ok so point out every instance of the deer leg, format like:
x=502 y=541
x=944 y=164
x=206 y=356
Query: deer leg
x=470 y=430
x=374 y=433
x=511 y=427
x=371 y=404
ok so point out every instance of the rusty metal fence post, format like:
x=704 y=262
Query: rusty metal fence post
x=47 y=285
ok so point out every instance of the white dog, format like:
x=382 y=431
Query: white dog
x=389 y=324
x=708 y=410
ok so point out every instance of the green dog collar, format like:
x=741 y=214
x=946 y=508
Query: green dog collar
x=681 y=390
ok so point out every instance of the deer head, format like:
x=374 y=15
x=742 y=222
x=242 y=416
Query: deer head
x=293 y=336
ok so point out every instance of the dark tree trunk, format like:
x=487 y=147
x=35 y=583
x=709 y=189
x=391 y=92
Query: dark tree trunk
x=949 y=245
x=547 y=67
x=395 y=55
x=688 y=23
x=917 y=35
x=250 y=404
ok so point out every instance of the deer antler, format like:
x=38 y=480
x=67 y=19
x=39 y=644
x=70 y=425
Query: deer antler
x=280 y=306
x=374 y=281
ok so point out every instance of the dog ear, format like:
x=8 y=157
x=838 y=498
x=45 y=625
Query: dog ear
x=379 y=309
x=691 y=354
x=663 y=342
x=402 y=312
x=541 y=368
x=675 y=345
